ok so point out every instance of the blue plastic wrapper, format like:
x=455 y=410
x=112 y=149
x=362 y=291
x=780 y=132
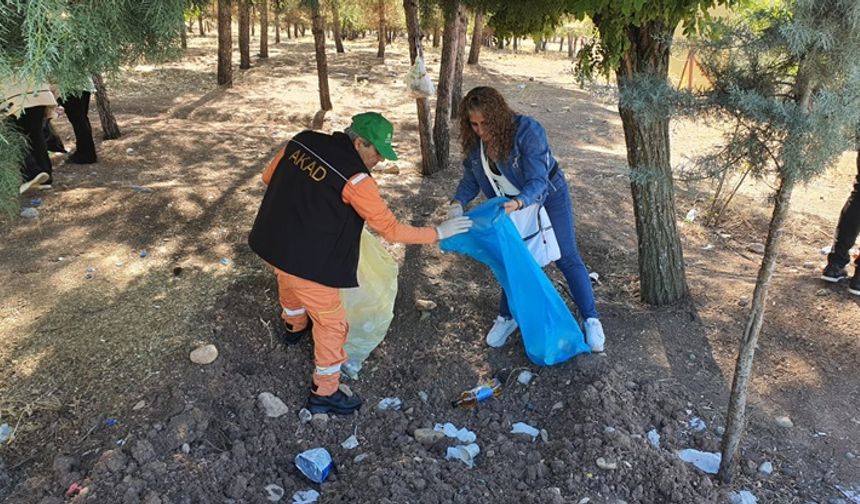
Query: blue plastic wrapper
x=550 y=333
x=315 y=464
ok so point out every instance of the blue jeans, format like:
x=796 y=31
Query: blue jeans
x=560 y=210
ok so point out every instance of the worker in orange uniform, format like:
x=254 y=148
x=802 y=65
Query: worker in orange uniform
x=320 y=193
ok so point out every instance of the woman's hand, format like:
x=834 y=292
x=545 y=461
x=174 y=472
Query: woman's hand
x=511 y=205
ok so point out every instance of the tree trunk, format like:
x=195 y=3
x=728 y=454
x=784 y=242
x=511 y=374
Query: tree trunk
x=516 y=44
x=450 y=36
x=110 y=129
x=295 y=30
x=277 y=9
x=264 y=28
x=380 y=6
x=225 y=44
x=457 y=87
x=251 y=17
x=662 y=280
x=561 y=44
x=302 y=28
x=435 y=36
x=200 y=29
x=183 y=35
x=335 y=22
x=477 y=36
x=429 y=164
x=736 y=416
x=244 y=34
x=571 y=48
x=318 y=29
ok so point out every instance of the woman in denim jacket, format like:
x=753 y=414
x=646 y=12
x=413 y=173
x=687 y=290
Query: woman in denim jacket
x=525 y=170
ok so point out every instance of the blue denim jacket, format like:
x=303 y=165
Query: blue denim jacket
x=527 y=168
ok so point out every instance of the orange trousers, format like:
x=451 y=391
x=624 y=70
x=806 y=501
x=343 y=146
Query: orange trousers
x=301 y=299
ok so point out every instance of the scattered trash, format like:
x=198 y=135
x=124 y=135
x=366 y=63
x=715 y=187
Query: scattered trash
x=274 y=493
x=525 y=377
x=390 y=403
x=305 y=497
x=224 y=261
x=305 y=416
x=129 y=150
x=74 y=489
x=111 y=422
x=524 y=428
x=29 y=213
x=557 y=406
x=350 y=443
x=423 y=396
x=544 y=435
x=315 y=464
x=361 y=457
x=742 y=497
x=471 y=397
x=139 y=405
x=595 y=277
x=697 y=424
x=784 y=421
x=709 y=246
x=825 y=250
x=692 y=214
x=654 y=438
x=766 y=468
x=35 y=202
x=186 y=448
x=606 y=464
x=143 y=253
x=853 y=494
x=464 y=453
x=343 y=387
x=809 y=265
x=204 y=354
x=142 y=189
x=708 y=462
x=5 y=432
x=463 y=435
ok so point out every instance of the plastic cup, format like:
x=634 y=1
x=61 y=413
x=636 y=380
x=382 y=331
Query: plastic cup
x=315 y=464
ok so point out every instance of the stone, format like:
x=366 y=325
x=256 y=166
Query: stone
x=139 y=405
x=274 y=493
x=758 y=248
x=556 y=407
x=428 y=437
x=143 y=452
x=743 y=301
x=319 y=421
x=271 y=405
x=204 y=354
x=360 y=457
x=784 y=421
x=305 y=416
x=606 y=464
x=766 y=468
x=425 y=305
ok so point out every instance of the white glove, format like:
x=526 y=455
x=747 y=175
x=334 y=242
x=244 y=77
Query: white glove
x=454 y=210
x=453 y=227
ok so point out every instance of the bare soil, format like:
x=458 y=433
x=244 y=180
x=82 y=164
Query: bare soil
x=94 y=370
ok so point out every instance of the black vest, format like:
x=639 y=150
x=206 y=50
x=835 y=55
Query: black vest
x=303 y=226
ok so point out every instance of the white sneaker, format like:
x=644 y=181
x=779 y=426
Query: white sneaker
x=34 y=182
x=501 y=331
x=594 y=335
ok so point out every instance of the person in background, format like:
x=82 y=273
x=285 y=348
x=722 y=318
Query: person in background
x=521 y=164
x=77 y=108
x=25 y=107
x=847 y=230
x=320 y=194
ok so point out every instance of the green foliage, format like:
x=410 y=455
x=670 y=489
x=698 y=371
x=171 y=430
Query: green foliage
x=788 y=80
x=66 y=41
x=11 y=155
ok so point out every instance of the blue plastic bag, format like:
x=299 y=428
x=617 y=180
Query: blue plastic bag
x=550 y=333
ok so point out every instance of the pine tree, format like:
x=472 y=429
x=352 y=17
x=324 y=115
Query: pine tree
x=787 y=79
x=65 y=42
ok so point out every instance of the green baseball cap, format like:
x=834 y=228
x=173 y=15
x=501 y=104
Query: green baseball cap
x=377 y=130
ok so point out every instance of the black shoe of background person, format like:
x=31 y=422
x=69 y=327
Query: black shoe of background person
x=854 y=285
x=335 y=404
x=833 y=273
x=291 y=338
x=76 y=158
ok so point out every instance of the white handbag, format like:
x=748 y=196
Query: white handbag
x=533 y=224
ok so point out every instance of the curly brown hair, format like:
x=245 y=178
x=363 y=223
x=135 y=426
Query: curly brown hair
x=499 y=119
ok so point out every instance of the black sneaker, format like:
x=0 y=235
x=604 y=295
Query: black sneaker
x=335 y=404
x=854 y=285
x=291 y=338
x=834 y=274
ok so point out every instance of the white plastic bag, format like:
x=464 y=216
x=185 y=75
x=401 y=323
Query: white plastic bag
x=370 y=306
x=418 y=81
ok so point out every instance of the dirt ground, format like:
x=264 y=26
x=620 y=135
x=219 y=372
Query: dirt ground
x=136 y=260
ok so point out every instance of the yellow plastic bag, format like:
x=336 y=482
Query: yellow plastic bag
x=370 y=306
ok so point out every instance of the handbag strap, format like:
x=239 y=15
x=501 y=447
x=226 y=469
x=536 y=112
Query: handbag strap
x=487 y=170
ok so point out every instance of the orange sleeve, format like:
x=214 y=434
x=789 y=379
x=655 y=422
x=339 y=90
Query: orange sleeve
x=272 y=166
x=362 y=193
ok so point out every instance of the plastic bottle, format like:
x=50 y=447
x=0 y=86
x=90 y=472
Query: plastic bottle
x=472 y=397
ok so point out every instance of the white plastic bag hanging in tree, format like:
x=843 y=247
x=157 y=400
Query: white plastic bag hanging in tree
x=418 y=81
